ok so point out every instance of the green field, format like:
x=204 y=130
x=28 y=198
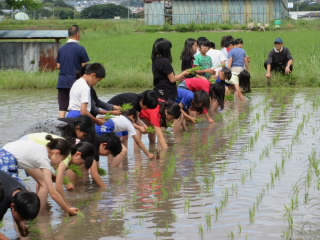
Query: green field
x=125 y=52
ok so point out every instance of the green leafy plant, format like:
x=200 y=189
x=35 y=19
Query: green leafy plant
x=151 y=129
x=194 y=69
x=76 y=169
x=126 y=107
x=108 y=116
x=102 y=172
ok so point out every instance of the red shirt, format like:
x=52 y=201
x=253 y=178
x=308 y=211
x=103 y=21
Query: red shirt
x=196 y=84
x=153 y=115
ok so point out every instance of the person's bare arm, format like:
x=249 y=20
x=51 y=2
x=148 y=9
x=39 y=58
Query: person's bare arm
x=84 y=111
x=96 y=176
x=142 y=147
x=59 y=179
x=180 y=77
x=55 y=195
x=161 y=138
x=58 y=66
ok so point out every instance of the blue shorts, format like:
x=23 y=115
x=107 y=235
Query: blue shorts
x=109 y=127
x=73 y=114
x=9 y=164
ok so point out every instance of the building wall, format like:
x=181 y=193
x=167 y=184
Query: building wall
x=209 y=11
x=29 y=56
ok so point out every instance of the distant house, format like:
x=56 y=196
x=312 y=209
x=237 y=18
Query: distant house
x=158 y=12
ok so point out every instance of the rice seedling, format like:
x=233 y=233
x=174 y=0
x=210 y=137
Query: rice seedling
x=2 y=224
x=66 y=180
x=231 y=235
x=80 y=214
x=194 y=69
x=208 y=220
x=151 y=129
x=240 y=228
x=76 y=169
x=157 y=233
x=141 y=220
x=252 y=213
x=126 y=107
x=102 y=172
x=187 y=205
x=108 y=116
x=201 y=230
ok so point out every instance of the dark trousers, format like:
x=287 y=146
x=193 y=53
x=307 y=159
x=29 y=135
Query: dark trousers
x=278 y=67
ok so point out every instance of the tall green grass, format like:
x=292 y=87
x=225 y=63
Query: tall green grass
x=126 y=53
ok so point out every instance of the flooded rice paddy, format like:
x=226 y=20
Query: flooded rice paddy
x=255 y=174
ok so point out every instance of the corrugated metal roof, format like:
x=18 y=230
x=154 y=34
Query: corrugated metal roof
x=33 y=34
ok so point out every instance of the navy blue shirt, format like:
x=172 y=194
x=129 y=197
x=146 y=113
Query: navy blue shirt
x=70 y=57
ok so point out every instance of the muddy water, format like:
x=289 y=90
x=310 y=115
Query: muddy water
x=243 y=178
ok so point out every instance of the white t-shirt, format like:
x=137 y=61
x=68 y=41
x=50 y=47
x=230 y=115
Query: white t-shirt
x=79 y=93
x=225 y=53
x=29 y=154
x=122 y=123
x=217 y=57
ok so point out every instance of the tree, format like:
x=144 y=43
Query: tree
x=104 y=11
x=28 y=4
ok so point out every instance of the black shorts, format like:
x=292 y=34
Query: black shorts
x=63 y=98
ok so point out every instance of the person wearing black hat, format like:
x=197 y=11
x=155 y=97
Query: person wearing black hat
x=279 y=59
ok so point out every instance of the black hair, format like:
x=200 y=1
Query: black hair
x=228 y=43
x=59 y=144
x=85 y=124
x=81 y=72
x=227 y=73
x=225 y=39
x=238 y=41
x=73 y=30
x=131 y=112
x=150 y=99
x=161 y=49
x=218 y=91
x=187 y=50
x=212 y=45
x=205 y=43
x=200 y=40
x=201 y=101
x=244 y=80
x=27 y=204
x=172 y=108
x=113 y=142
x=96 y=68
x=87 y=152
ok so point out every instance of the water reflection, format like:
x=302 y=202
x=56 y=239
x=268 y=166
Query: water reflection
x=204 y=186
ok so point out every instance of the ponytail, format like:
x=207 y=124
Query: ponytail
x=59 y=144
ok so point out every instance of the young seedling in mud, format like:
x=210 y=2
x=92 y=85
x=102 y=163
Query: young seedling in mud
x=201 y=230
x=240 y=228
x=252 y=213
x=231 y=235
x=208 y=220
x=187 y=205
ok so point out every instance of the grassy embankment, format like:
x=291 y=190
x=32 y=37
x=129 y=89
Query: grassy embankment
x=125 y=48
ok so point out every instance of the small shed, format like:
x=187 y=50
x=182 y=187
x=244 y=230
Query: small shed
x=29 y=55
